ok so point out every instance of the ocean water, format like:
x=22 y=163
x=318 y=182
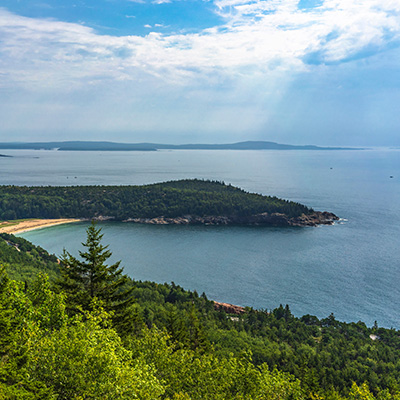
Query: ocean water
x=351 y=269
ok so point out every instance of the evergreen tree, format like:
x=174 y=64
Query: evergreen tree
x=89 y=278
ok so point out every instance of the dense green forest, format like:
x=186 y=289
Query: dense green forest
x=169 y=199
x=90 y=332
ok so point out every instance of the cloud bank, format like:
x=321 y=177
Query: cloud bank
x=257 y=54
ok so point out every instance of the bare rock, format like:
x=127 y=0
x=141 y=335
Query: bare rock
x=228 y=308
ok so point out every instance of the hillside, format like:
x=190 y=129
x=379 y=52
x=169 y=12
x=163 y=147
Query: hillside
x=179 y=346
x=23 y=260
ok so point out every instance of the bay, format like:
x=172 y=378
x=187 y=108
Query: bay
x=351 y=269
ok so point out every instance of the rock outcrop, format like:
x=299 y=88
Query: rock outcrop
x=264 y=219
x=102 y=218
x=228 y=308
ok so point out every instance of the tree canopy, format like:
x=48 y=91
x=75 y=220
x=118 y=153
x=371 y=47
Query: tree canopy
x=177 y=346
x=168 y=199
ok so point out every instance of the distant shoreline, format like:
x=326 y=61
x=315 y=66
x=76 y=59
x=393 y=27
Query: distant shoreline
x=32 y=224
x=114 y=146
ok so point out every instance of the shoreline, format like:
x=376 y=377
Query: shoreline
x=264 y=219
x=32 y=224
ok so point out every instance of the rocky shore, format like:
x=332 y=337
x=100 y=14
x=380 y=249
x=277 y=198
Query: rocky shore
x=265 y=219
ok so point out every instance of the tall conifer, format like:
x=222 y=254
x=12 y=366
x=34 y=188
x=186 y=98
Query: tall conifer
x=89 y=278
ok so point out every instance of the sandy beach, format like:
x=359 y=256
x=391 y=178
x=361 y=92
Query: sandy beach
x=31 y=224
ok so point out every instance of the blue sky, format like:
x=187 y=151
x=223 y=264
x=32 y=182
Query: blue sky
x=324 y=72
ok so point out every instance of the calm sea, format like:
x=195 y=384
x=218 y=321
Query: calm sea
x=351 y=269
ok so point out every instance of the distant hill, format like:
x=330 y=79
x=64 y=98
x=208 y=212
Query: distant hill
x=112 y=146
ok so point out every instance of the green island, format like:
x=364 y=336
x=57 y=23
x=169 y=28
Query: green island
x=191 y=201
x=74 y=327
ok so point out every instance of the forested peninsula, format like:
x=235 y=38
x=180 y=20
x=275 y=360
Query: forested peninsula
x=176 y=202
x=80 y=329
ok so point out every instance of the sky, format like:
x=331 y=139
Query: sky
x=324 y=72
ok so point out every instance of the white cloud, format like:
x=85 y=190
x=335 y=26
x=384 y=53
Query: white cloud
x=258 y=35
x=249 y=59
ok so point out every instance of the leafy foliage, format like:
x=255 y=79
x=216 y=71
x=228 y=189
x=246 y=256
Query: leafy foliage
x=191 y=375
x=326 y=355
x=50 y=355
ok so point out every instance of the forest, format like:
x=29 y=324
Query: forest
x=74 y=327
x=168 y=199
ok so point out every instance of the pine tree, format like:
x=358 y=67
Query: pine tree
x=89 y=279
